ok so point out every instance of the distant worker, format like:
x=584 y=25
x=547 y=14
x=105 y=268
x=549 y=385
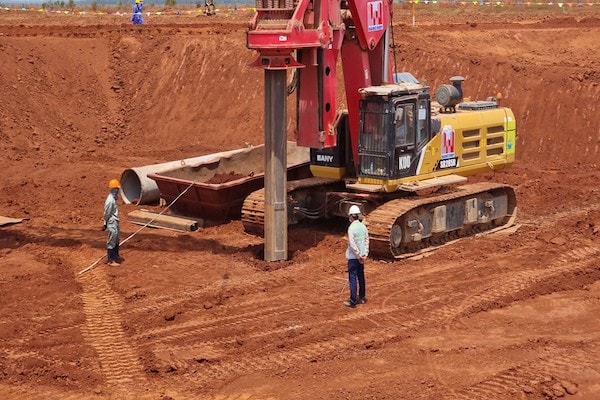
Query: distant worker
x=356 y=254
x=209 y=7
x=138 y=13
x=111 y=222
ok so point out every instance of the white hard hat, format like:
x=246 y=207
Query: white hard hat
x=354 y=210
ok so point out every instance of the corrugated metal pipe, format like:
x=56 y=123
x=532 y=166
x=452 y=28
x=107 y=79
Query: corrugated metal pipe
x=137 y=188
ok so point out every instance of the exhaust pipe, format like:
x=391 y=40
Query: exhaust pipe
x=448 y=96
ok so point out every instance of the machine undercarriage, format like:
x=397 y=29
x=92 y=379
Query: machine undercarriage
x=399 y=225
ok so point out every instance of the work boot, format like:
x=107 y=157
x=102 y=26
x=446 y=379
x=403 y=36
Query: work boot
x=362 y=300
x=349 y=303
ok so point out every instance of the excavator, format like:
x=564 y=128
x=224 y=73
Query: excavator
x=400 y=154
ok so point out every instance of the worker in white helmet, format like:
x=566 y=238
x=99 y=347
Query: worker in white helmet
x=111 y=222
x=356 y=254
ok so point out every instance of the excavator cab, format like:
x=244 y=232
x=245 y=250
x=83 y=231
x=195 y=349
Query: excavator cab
x=393 y=128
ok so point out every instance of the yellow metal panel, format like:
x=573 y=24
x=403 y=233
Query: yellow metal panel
x=321 y=171
x=511 y=134
x=483 y=141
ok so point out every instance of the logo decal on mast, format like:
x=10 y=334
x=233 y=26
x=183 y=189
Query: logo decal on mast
x=375 y=16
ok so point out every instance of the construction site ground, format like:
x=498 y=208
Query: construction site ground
x=199 y=315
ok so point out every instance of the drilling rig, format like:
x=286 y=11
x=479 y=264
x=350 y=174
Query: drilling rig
x=396 y=152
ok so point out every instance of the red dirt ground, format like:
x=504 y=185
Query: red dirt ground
x=199 y=315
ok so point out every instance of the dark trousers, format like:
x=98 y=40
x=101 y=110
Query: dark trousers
x=356 y=272
x=113 y=254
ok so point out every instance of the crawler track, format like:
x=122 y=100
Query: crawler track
x=388 y=223
x=253 y=209
x=390 y=235
x=391 y=218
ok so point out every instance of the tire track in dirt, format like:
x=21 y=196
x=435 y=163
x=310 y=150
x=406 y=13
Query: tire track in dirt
x=238 y=316
x=274 y=279
x=547 y=221
x=265 y=334
x=573 y=261
x=263 y=360
x=516 y=379
x=228 y=323
x=257 y=283
x=577 y=260
x=438 y=311
x=257 y=360
x=9 y=392
x=242 y=396
x=47 y=393
x=104 y=332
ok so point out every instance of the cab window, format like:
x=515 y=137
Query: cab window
x=422 y=118
x=404 y=124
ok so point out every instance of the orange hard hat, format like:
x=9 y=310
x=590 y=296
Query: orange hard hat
x=114 y=184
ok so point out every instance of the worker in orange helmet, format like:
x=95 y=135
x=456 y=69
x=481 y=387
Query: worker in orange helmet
x=111 y=222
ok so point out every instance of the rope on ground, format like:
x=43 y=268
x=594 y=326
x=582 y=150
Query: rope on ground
x=136 y=232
